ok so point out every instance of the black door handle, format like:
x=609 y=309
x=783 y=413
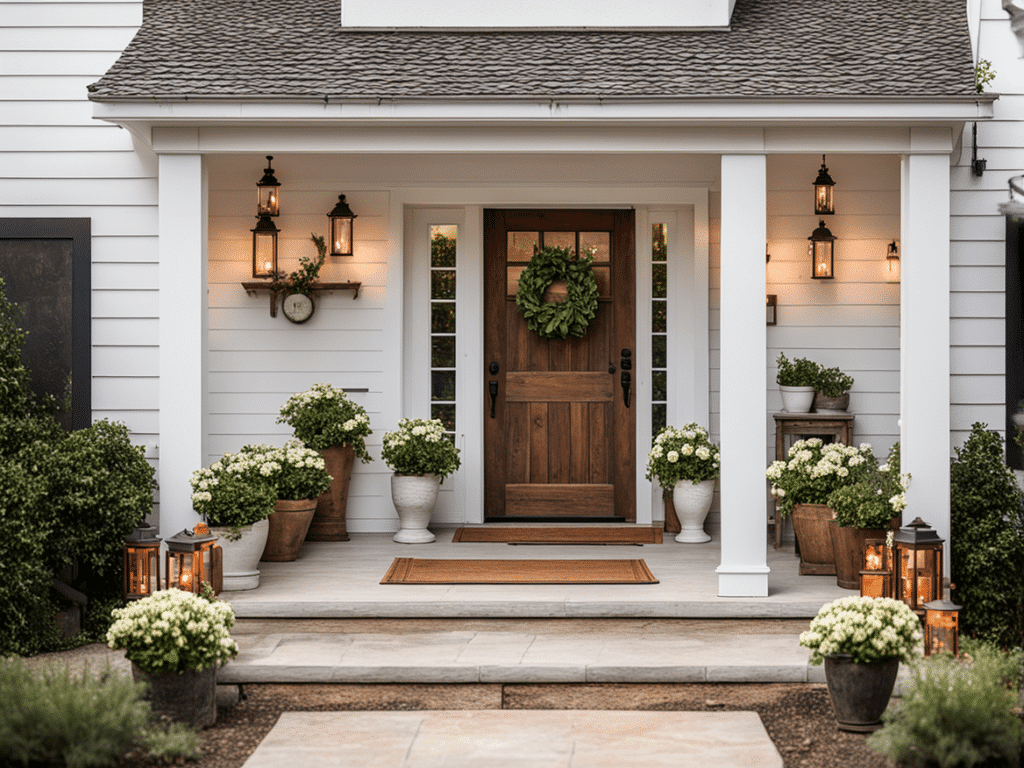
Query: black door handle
x=492 y=387
x=626 y=378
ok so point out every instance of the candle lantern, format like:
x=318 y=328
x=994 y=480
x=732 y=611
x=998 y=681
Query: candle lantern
x=264 y=248
x=822 y=249
x=876 y=577
x=268 y=192
x=941 y=627
x=141 y=563
x=342 y=219
x=917 y=565
x=823 y=185
x=192 y=558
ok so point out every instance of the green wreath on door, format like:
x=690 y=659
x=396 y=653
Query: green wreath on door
x=558 y=319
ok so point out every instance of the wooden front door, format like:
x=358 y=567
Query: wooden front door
x=559 y=421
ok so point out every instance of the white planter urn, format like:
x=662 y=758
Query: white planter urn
x=692 y=502
x=797 y=399
x=242 y=557
x=414 y=497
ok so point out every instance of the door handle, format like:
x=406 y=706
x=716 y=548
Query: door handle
x=625 y=377
x=492 y=387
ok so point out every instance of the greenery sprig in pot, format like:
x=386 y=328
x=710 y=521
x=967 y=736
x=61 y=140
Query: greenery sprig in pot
x=832 y=391
x=175 y=641
x=796 y=379
x=686 y=462
x=422 y=456
x=303 y=279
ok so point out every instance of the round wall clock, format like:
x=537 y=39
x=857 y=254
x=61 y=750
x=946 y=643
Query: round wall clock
x=297 y=307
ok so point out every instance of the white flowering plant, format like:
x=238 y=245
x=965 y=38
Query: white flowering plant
x=683 y=454
x=875 y=499
x=866 y=628
x=324 y=416
x=298 y=472
x=420 y=447
x=235 y=491
x=813 y=470
x=173 y=631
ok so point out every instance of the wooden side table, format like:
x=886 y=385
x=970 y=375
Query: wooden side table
x=837 y=426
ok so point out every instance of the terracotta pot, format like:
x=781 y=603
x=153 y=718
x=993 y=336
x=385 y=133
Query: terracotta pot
x=823 y=404
x=188 y=697
x=797 y=399
x=329 y=521
x=414 y=497
x=811 y=524
x=859 y=692
x=242 y=557
x=692 y=502
x=288 y=527
x=848 y=548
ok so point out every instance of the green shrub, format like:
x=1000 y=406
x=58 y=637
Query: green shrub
x=58 y=719
x=800 y=372
x=168 y=742
x=957 y=713
x=987 y=540
x=832 y=382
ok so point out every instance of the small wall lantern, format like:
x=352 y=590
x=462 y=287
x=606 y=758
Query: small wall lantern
x=342 y=218
x=264 y=248
x=192 y=558
x=141 y=563
x=823 y=185
x=941 y=627
x=268 y=192
x=770 y=309
x=918 y=565
x=892 y=262
x=822 y=250
x=876 y=577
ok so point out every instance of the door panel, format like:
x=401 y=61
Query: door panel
x=561 y=440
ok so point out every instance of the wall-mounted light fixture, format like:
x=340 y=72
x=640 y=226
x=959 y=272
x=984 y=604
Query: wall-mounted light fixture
x=770 y=312
x=342 y=218
x=264 y=248
x=823 y=201
x=821 y=249
x=268 y=192
x=892 y=262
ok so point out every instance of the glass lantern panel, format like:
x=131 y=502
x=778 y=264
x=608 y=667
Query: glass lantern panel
x=823 y=198
x=341 y=237
x=268 y=200
x=823 y=259
x=264 y=254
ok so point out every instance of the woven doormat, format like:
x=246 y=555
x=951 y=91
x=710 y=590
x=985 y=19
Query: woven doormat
x=414 y=570
x=559 y=535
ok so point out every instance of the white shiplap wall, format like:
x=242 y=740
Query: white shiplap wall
x=56 y=161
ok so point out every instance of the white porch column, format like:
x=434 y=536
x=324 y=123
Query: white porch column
x=924 y=339
x=744 y=570
x=183 y=301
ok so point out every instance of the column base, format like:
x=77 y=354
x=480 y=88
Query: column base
x=740 y=581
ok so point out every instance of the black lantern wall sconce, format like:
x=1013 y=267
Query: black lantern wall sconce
x=822 y=252
x=892 y=262
x=264 y=247
x=824 y=204
x=342 y=219
x=268 y=192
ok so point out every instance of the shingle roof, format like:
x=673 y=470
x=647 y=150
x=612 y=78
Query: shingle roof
x=209 y=49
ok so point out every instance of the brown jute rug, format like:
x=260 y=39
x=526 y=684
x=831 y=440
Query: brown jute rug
x=559 y=535
x=414 y=570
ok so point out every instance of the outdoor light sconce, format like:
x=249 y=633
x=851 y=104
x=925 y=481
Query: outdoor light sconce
x=264 y=247
x=876 y=578
x=822 y=250
x=268 y=193
x=141 y=563
x=342 y=218
x=892 y=262
x=941 y=627
x=192 y=558
x=771 y=314
x=918 y=563
x=823 y=185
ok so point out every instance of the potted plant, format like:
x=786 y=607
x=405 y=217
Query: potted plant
x=867 y=509
x=422 y=456
x=327 y=420
x=686 y=462
x=862 y=641
x=300 y=478
x=832 y=391
x=175 y=641
x=801 y=486
x=796 y=380
x=236 y=497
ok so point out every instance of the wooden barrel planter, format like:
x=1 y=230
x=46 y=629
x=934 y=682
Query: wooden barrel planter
x=848 y=547
x=329 y=521
x=811 y=523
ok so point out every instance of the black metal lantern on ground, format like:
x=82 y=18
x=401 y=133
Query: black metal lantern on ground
x=268 y=192
x=264 y=248
x=941 y=627
x=141 y=563
x=918 y=565
x=822 y=252
x=192 y=558
x=823 y=186
x=876 y=577
x=342 y=219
